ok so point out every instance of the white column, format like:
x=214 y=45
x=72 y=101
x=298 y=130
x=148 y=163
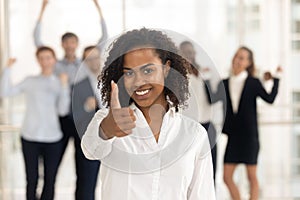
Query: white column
x=3 y=31
x=3 y=57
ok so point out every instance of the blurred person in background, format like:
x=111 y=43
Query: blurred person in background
x=70 y=64
x=241 y=91
x=85 y=102
x=47 y=97
x=198 y=98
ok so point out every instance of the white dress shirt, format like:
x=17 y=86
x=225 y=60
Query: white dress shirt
x=46 y=99
x=236 y=86
x=136 y=167
x=198 y=107
x=73 y=69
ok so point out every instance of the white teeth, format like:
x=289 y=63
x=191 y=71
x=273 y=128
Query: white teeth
x=143 y=92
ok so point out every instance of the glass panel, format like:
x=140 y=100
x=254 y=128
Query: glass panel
x=296 y=113
x=296 y=26
x=253 y=9
x=296 y=45
x=298 y=146
x=253 y=25
x=296 y=97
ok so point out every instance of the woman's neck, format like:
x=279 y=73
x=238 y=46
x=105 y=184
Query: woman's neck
x=238 y=72
x=154 y=117
x=46 y=73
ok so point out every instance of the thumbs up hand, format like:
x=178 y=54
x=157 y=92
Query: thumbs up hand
x=114 y=96
x=120 y=121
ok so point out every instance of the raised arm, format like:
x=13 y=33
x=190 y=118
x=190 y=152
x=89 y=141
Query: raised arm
x=104 y=34
x=6 y=87
x=261 y=91
x=37 y=29
x=268 y=97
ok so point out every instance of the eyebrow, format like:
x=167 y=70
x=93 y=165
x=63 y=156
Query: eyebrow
x=141 y=68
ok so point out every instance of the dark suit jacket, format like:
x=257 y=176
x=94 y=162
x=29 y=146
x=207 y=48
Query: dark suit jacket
x=244 y=122
x=81 y=91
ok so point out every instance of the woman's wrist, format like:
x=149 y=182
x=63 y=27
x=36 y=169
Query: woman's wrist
x=102 y=132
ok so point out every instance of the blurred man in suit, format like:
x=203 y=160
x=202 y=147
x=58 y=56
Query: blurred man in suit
x=85 y=102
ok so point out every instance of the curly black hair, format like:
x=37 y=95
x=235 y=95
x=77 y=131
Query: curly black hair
x=176 y=83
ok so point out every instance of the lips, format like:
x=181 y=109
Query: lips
x=142 y=92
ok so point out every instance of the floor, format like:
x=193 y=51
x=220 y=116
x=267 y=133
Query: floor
x=12 y=185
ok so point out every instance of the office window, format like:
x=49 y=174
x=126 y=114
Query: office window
x=296 y=154
x=254 y=25
x=296 y=159
x=296 y=132
x=296 y=26
x=232 y=16
x=296 y=106
x=296 y=45
x=253 y=9
x=296 y=113
x=296 y=97
x=250 y=15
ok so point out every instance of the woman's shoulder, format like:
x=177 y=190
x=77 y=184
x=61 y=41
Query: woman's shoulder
x=253 y=80
x=191 y=124
x=200 y=137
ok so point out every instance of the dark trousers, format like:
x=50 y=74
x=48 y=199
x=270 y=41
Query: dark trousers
x=50 y=154
x=212 y=136
x=86 y=170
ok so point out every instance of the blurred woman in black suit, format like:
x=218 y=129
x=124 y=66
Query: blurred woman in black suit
x=241 y=91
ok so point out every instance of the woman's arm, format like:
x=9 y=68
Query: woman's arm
x=268 y=97
x=104 y=34
x=202 y=184
x=6 y=86
x=37 y=29
x=93 y=146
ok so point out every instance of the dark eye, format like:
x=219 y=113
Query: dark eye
x=148 y=71
x=128 y=73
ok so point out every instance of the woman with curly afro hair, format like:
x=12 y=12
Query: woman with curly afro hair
x=149 y=150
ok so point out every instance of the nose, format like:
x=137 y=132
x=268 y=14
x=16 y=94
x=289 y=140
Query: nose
x=139 y=80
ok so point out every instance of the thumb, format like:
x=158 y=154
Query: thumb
x=114 y=96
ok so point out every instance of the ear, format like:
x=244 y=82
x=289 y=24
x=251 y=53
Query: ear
x=167 y=68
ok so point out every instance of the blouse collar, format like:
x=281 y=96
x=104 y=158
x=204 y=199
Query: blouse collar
x=241 y=76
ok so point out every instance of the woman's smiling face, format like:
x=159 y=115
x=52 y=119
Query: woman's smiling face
x=144 y=77
x=240 y=61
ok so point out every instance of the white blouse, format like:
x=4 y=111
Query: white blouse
x=236 y=86
x=136 y=167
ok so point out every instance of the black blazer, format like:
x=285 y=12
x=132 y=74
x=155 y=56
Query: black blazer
x=81 y=91
x=244 y=122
